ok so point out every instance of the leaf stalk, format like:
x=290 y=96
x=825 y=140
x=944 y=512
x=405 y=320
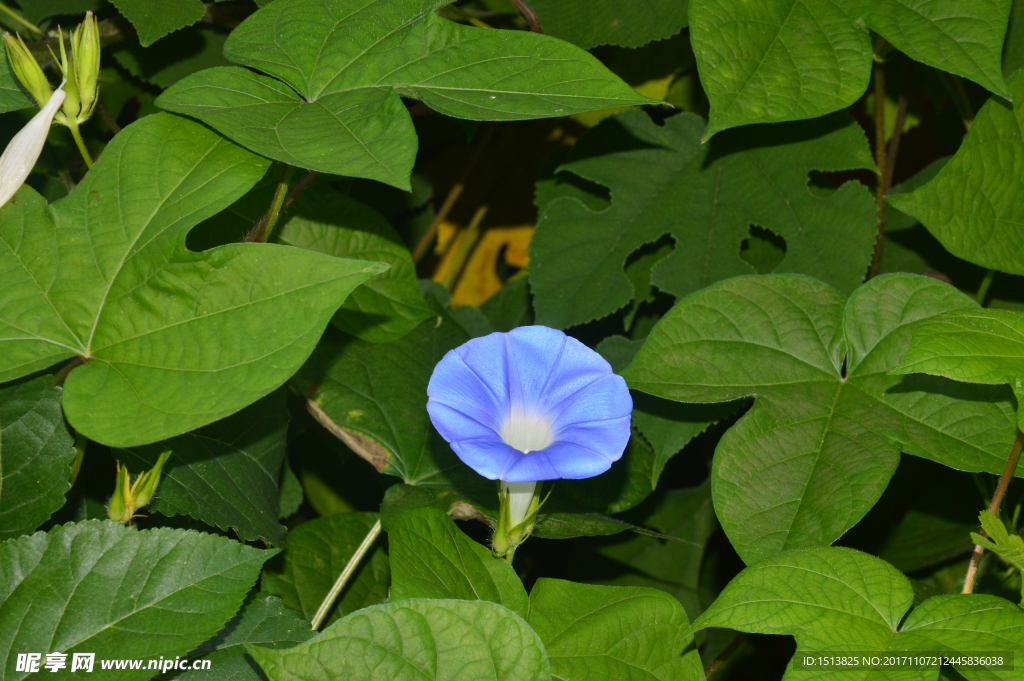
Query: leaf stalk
x=343 y=578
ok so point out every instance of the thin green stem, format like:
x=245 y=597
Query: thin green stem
x=993 y=508
x=20 y=19
x=986 y=283
x=80 y=143
x=343 y=578
x=261 y=232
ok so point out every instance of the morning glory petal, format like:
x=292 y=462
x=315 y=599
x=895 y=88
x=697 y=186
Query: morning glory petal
x=490 y=458
x=561 y=460
x=531 y=404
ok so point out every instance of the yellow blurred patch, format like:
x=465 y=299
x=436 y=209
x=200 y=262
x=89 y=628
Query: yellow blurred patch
x=478 y=279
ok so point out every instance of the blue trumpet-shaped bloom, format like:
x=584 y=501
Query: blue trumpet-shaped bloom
x=531 y=404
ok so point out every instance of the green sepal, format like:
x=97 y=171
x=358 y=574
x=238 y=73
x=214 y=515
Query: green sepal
x=507 y=538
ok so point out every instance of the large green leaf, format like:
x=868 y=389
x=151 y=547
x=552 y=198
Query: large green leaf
x=338 y=69
x=317 y=552
x=174 y=340
x=824 y=436
x=36 y=452
x=784 y=60
x=841 y=600
x=975 y=205
x=589 y=23
x=663 y=181
x=153 y=21
x=422 y=639
x=100 y=587
x=263 y=621
x=432 y=558
x=974 y=346
x=607 y=633
x=225 y=474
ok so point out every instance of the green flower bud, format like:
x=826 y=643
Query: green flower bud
x=72 y=103
x=128 y=498
x=26 y=68
x=85 y=58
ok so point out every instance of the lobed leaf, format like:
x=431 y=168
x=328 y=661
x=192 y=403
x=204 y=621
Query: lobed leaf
x=664 y=181
x=338 y=69
x=100 y=587
x=818 y=447
x=173 y=339
x=36 y=451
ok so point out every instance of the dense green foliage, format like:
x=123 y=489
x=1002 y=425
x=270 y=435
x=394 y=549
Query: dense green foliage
x=795 y=228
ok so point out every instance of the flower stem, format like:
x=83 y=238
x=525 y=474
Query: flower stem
x=261 y=231
x=993 y=508
x=80 y=143
x=343 y=578
x=20 y=19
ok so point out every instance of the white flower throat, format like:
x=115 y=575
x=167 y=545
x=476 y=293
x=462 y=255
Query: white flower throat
x=526 y=431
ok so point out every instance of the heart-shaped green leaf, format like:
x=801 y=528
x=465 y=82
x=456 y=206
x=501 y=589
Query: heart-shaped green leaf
x=173 y=339
x=154 y=21
x=843 y=601
x=339 y=68
x=100 y=587
x=819 y=445
x=36 y=452
x=784 y=60
x=423 y=639
x=664 y=181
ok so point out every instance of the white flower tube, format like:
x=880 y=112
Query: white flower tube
x=21 y=154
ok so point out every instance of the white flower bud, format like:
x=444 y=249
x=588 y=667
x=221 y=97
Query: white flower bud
x=21 y=154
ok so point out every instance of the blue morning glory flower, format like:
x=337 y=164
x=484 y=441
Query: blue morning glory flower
x=528 y=405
